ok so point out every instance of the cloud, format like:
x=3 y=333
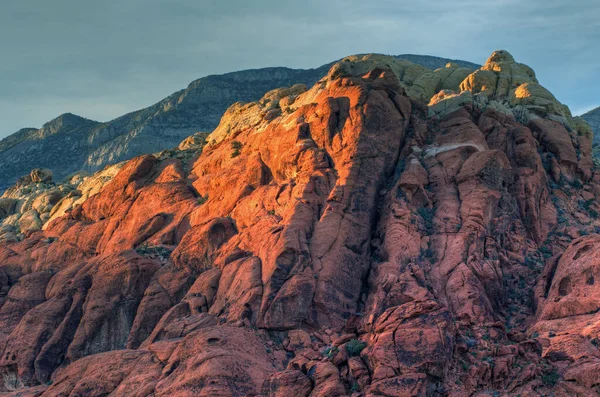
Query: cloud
x=96 y=58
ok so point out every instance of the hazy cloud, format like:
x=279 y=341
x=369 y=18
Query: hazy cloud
x=102 y=59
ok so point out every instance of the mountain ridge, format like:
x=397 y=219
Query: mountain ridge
x=198 y=107
x=593 y=119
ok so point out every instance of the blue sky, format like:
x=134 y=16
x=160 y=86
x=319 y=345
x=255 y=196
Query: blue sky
x=101 y=59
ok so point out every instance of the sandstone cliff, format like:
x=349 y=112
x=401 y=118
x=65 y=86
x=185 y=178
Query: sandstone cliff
x=389 y=231
x=71 y=143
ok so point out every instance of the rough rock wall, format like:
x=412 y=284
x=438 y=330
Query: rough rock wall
x=342 y=240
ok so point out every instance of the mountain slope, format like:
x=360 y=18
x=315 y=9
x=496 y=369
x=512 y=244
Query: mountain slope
x=91 y=146
x=593 y=119
x=59 y=144
x=382 y=233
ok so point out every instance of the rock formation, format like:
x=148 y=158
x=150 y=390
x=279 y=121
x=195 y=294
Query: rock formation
x=389 y=231
x=71 y=143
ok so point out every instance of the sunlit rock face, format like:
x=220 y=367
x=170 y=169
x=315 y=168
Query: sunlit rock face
x=387 y=231
x=70 y=143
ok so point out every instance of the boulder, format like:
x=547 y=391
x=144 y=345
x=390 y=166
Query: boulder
x=41 y=175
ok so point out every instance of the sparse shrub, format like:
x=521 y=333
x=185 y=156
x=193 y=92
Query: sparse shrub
x=202 y=200
x=546 y=251
x=427 y=215
x=551 y=377
x=236 y=146
x=354 y=347
x=587 y=207
x=576 y=184
x=429 y=254
x=153 y=252
x=531 y=262
x=330 y=352
x=465 y=366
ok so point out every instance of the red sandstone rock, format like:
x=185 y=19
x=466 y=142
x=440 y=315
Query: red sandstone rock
x=331 y=242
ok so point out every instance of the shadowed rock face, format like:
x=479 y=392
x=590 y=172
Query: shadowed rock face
x=346 y=239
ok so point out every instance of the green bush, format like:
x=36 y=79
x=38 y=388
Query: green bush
x=202 y=200
x=551 y=378
x=330 y=352
x=236 y=146
x=354 y=347
x=152 y=251
x=587 y=207
x=576 y=184
x=546 y=252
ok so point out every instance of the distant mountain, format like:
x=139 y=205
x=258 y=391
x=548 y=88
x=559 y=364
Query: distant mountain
x=71 y=143
x=60 y=145
x=593 y=119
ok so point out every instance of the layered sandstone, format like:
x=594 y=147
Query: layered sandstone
x=340 y=239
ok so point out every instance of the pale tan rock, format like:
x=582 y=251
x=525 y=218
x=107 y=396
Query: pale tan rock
x=446 y=102
x=30 y=221
x=357 y=65
x=40 y=175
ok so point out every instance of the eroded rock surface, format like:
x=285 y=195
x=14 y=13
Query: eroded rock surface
x=377 y=234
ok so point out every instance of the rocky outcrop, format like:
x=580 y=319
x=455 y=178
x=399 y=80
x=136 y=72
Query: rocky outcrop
x=343 y=239
x=36 y=200
x=71 y=143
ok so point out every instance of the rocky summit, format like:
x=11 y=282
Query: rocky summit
x=71 y=143
x=389 y=231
